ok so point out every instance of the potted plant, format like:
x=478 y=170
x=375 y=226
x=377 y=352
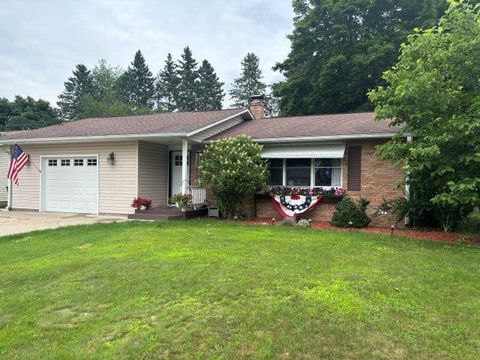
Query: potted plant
x=182 y=201
x=141 y=203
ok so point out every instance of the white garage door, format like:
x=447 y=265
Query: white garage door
x=70 y=184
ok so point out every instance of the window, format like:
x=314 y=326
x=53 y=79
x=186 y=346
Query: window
x=65 y=162
x=78 y=162
x=328 y=172
x=305 y=172
x=275 y=168
x=298 y=172
x=52 y=162
x=91 y=162
x=178 y=160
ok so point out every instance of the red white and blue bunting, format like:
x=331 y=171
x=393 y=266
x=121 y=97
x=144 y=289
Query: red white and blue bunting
x=293 y=205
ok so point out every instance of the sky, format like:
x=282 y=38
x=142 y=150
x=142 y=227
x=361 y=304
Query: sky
x=41 y=41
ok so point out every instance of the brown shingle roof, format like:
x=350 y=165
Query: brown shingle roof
x=163 y=123
x=310 y=126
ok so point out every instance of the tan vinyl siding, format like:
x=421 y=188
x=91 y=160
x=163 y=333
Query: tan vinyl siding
x=4 y=160
x=217 y=129
x=153 y=172
x=117 y=183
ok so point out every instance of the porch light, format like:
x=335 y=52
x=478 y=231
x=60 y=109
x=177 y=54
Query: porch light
x=111 y=158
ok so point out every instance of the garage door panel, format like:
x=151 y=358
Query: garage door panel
x=71 y=185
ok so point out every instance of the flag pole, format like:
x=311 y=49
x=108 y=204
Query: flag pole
x=9 y=199
x=10 y=187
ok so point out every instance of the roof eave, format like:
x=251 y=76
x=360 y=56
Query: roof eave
x=298 y=139
x=92 y=138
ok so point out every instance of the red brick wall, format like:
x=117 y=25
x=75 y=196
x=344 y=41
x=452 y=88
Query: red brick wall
x=379 y=179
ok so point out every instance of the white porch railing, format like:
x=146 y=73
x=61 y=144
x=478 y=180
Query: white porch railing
x=199 y=195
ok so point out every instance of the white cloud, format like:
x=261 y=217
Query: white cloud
x=42 y=41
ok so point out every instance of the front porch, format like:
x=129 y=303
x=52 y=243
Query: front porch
x=165 y=168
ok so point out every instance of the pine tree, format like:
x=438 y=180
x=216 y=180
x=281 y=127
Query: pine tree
x=210 y=92
x=249 y=83
x=76 y=87
x=136 y=85
x=187 y=88
x=167 y=85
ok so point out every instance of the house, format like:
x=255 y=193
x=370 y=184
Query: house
x=99 y=165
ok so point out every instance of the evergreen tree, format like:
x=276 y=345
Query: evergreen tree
x=249 y=83
x=167 y=85
x=187 y=87
x=77 y=86
x=136 y=85
x=210 y=92
x=340 y=48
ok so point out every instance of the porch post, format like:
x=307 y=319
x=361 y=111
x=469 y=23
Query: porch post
x=184 y=166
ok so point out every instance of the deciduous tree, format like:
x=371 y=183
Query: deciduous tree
x=340 y=48
x=433 y=93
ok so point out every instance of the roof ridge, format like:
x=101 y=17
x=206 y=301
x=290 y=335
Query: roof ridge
x=320 y=115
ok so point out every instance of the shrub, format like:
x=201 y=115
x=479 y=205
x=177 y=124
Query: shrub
x=347 y=211
x=304 y=223
x=288 y=222
x=471 y=224
x=232 y=168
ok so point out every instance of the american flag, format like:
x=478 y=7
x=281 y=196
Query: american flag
x=17 y=162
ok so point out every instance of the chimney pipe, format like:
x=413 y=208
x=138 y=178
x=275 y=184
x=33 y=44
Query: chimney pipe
x=257 y=106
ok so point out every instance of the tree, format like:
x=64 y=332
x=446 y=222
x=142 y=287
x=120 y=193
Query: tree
x=105 y=78
x=187 y=87
x=249 y=83
x=136 y=85
x=26 y=113
x=232 y=168
x=434 y=94
x=77 y=86
x=166 y=86
x=209 y=90
x=340 y=48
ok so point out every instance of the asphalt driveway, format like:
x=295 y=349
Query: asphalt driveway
x=16 y=222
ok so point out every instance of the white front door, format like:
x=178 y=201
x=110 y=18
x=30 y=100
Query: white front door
x=176 y=172
x=70 y=184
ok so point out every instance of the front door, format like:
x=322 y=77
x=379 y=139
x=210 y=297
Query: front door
x=176 y=172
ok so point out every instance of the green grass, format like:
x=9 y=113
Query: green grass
x=225 y=290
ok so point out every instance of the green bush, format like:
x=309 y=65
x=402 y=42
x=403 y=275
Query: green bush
x=232 y=168
x=288 y=222
x=471 y=224
x=303 y=223
x=347 y=211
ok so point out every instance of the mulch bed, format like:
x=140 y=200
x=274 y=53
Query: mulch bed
x=423 y=234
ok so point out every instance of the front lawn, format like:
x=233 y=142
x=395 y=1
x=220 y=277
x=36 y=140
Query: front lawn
x=225 y=290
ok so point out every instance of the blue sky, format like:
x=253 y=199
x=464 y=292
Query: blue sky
x=42 y=41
